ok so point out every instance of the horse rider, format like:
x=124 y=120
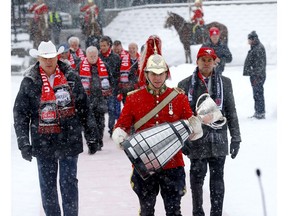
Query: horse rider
x=197 y=18
x=90 y=9
x=39 y=8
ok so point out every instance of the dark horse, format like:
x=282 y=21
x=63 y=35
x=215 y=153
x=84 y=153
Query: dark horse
x=92 y=31
x=188 y=37
x=39 y=31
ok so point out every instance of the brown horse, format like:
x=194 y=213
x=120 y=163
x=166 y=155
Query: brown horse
x=187 y=35
x=92 y=30
x=40 y=31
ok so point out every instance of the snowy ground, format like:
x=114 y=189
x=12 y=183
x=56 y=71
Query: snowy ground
x=104 y=177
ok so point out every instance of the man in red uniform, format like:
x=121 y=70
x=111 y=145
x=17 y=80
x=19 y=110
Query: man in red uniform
x=90 y=9
x=197 y=18
x=38 y=9
x=198 y=13
x=170 y=180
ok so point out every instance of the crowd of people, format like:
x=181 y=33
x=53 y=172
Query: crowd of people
x=68 y=91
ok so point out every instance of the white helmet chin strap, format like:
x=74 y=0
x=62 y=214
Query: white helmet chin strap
x=146 y=75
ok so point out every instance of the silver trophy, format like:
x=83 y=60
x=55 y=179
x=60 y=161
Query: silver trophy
x=208 y=108
x=150 y=150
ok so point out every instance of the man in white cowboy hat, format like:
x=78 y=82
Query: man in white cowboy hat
x=170 y=180
x=51 y=106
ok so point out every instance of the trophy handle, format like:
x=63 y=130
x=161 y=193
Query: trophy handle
x=208 y=110
x=217 y=126
x=201 y=96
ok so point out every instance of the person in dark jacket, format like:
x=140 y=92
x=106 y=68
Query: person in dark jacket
x=211 y=149
x=113 y=61
x=221 y=49
x=97 y=83
x=255 y=67
x=50 y=109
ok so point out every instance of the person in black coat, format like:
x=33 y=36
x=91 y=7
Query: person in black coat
x=221 y=49
x=211 y=149
x=113 y=61
x=50 y=109
x=97 y=82
x=255 y=67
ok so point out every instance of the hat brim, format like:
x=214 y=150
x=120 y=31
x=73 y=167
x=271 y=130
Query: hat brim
x=207 y=55
x=156 y=71
x=35 y=53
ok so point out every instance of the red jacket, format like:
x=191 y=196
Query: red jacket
x=198 y=16
x=38 y=9
x=138 y=104
x=88 y=9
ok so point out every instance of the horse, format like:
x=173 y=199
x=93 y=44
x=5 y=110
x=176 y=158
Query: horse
x=39 y=30
x=187 y=35
x=92 y=30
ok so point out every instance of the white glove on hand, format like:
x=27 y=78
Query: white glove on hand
x=118 y=136
x=197 y=128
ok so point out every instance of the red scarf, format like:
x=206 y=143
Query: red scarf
x=85 y=75
x=125 y=67
x=80 y=54
x=107 y=53
x=71 y=60
x=55 y=103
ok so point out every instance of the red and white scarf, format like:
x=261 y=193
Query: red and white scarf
x=55 y=103
x=80 y=54
x=85 y=75
x=72 y=61
x=125 y=67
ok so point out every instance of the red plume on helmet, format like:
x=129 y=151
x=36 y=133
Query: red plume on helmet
x=152 y=45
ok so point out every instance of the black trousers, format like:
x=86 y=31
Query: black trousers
x=198 y=170
x=257 y=83
x=170 y=183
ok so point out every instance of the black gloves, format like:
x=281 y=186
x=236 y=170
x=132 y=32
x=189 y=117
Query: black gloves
x=26 y=152
x=234 y=148
x=92 y=146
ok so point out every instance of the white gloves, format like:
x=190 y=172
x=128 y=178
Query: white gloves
x=118 y=136
x=197 y=128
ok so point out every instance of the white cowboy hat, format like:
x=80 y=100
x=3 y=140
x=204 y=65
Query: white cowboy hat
x=46 y=50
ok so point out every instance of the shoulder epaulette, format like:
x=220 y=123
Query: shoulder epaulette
x=179 y=90
x=132 y=92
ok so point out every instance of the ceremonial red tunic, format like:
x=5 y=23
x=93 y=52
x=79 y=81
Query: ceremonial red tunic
x=38 y=9
x=88 y=9
x=141 y=102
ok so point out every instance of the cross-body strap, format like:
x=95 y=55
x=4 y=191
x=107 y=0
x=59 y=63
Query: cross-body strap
x=156 y=109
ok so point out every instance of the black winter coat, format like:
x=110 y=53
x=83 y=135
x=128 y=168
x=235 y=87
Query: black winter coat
x=97 y=101
x=114 y=62
x=213 y=143
x=223 y=53
x=255 y=62
x=26 y=117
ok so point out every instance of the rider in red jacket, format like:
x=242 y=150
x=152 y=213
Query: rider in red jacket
x=198 y=15
x=39 y=8
x=90 y=8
